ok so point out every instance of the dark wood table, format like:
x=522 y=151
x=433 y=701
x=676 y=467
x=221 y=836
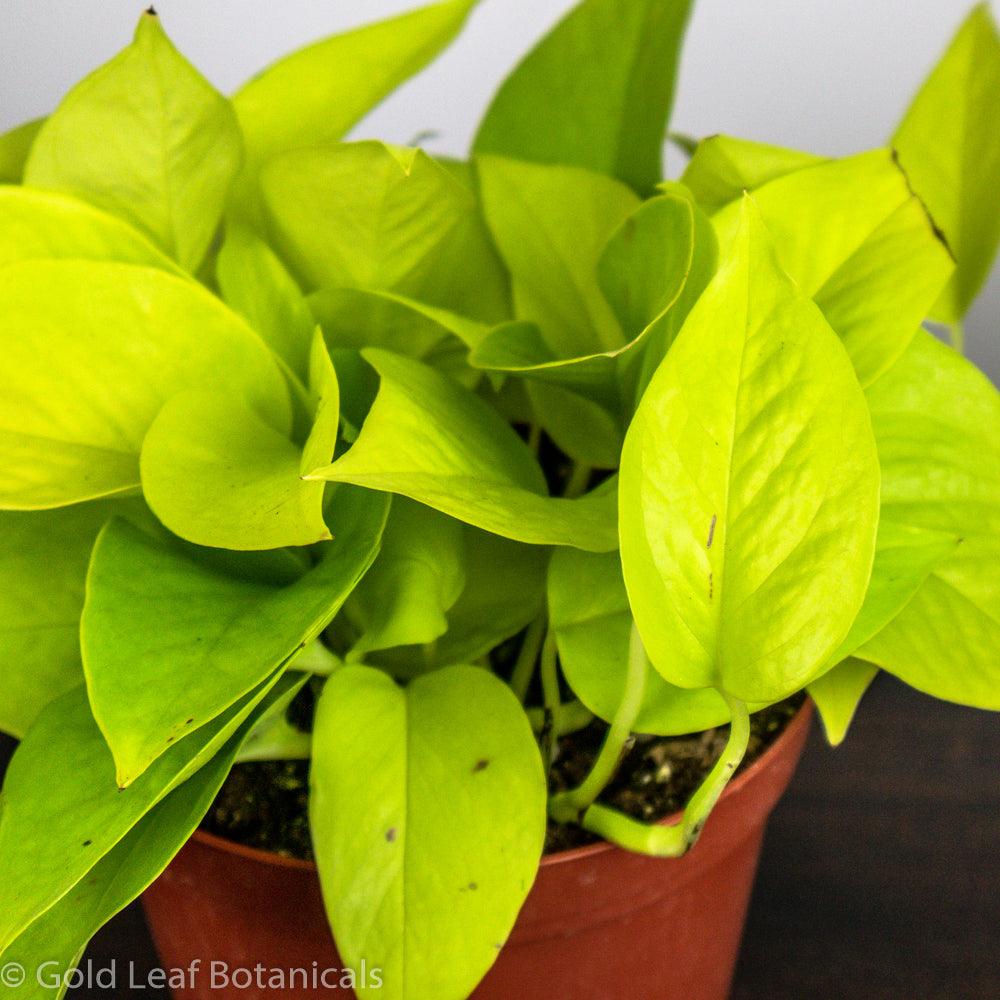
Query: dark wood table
x=880 y=879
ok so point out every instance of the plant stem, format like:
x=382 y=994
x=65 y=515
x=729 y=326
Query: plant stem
x=956 y=334
x=573 y=716
x=569 y=807
x=550 y=696
x=578 y=481
x=317 y=659
x=674 y=841
x=527 y=658
x=535 y=438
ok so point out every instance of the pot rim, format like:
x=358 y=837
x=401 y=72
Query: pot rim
x=800 y=720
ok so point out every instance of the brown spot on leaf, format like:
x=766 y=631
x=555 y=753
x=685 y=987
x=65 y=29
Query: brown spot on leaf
x=711 y=531
x=480 y=765
x=391 y=834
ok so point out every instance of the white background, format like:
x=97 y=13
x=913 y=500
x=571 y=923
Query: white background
x=831 y=76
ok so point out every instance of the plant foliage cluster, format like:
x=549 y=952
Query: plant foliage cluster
x=271 y=411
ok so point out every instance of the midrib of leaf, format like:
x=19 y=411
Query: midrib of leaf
x=720 y=583
x=164 y=143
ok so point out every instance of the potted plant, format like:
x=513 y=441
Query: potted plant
x=470 y=487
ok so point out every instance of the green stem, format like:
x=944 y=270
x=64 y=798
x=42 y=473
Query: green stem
x=674 y=841
x=317 y=659
x=578 y=481
x=550 y=696
x=573 y=716
x=535 y=438
x=956 y=333
x=527 y=658
x=569 y=807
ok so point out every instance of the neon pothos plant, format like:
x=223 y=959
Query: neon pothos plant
x=258 y=405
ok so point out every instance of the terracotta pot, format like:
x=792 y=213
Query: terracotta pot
x=599 y=924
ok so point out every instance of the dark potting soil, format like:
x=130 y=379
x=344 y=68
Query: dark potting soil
x=265 y=805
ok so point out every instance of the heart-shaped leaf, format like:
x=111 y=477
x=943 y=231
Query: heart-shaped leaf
x=432 y=440
x=394 y=220
x=937 y=423
x=171 y=639
x=949 y=146
x=315 y=95
x=43 y=567
x=62 y=780
x=428 y=818
x=880 y=265
x=92 y=351
x=551 y=225
x=51 y=947
x=596 y=92
x=946 y=641
x=749 y=487
x=148 y=138
x=417 y=578
x=641 y=272
x=218 y=475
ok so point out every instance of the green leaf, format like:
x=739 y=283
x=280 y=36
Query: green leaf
x=316 y=94
x=358 y=318
x=879 y=297
x=937 y=424
x=417 y=578
x=148 y=138
x=838 y=693
x=43 y=566
x=663 y=331
x=38 y=225
x=255 y=283
x=723 y=168
x=91 y=352
x=590 y=614
x=880 y=264
x=949 y=146
x=428 y=816
x=596 y=92
x=428 y=438
x=645 y=264
x=54 y=943
x=62 y=780
x=504 y=592
x=946 y=642
x=218 y=475
x=904 y=559
x=749 y=487
x=171 y=639
x=583 y=429
x=551 y=225
x=393 y=220
x=642 y=269
x=15 y=146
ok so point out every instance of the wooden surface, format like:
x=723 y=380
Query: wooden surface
x=881 y=875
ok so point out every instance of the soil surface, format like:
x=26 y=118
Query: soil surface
x=265 y=805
